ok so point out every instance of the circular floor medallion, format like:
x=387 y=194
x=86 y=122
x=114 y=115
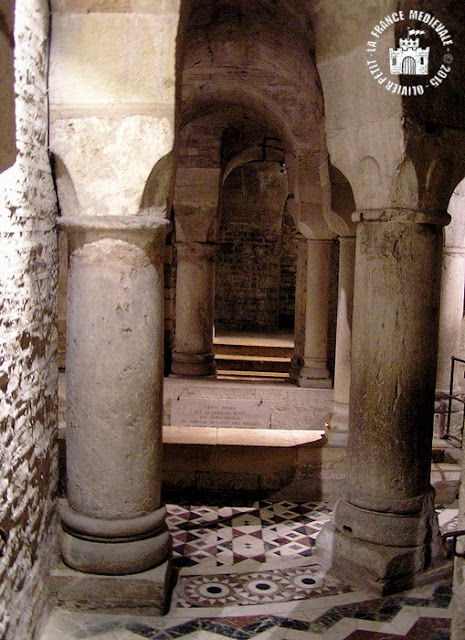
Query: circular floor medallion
x=214 y=590
x=262 y=587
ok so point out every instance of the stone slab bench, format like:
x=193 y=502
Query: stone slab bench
x=289 y=464
x=241 y=437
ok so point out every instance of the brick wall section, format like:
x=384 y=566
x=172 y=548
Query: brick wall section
x=288 y=252
x=28 y=371
x=248 y=263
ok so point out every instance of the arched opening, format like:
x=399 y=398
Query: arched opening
x=255 y=265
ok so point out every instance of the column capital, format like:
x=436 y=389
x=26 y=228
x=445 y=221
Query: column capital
x=403 y=215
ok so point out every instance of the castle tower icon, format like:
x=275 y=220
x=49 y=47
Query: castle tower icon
x=409 y=59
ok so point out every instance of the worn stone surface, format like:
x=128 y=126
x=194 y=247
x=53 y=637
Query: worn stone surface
x=28 y=371
x=103 y=103
x=291 y=407
x=114 y=395
x=147 y=592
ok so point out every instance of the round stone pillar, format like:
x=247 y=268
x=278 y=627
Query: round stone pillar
x=113 y=522
x=315 y=373
x=195 y=294
x=297 y=360
x=386 y=528
x=451 y=312
x=339 y=421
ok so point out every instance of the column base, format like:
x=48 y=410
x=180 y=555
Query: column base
x=193 y=364
x=314 y=378
x=386 y=552
x=114 y=547
x=148 y=592
x=337 y=430
x=385 y=570
x=295 y=368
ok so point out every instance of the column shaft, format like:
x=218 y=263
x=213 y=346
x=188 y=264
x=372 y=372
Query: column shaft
x=386 y=527
x=315 y=372
x=299 y=316
x=339 y=421
x=195 y=294
x=114 y=521
x=451 y=312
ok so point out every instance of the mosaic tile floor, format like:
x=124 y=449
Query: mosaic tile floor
x=247 y=572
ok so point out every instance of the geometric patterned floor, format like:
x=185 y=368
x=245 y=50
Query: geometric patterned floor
x=247 y=572
x=227 y=536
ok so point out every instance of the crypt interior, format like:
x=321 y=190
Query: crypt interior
x=232 y=315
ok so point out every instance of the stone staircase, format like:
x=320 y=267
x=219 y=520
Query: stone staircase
x=253 y=355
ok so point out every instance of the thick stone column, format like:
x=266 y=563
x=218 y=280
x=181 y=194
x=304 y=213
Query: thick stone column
x=339 y=422
x=114 y=522
x=386 y=532
x=315 y=373
x=195 y=292
x=297 y=360
x=451 y=312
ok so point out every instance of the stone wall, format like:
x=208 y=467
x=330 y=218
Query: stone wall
x=248 y=264
x=28 y=372
x=288 y=251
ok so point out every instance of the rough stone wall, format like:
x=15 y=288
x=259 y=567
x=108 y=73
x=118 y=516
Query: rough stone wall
x=288 y=253
x=28 y=372
x=248 y=264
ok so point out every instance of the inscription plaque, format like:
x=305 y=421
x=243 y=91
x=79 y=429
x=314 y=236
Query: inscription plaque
x=220 y=413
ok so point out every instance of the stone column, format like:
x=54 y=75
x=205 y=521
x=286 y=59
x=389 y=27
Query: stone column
x=386 y=531
x=297 y=360
x=339 y=422
x=195 y=294
x=315 y=373
x=113 y=521
x=451 y=312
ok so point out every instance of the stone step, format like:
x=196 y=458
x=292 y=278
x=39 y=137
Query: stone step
x=257 y=350
x=252 y=363
x=251 y=376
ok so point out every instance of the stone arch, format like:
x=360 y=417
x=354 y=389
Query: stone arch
x=342 y=198
x=218 y=95
x=157 y=196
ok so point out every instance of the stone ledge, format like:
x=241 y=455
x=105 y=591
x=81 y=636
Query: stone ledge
x=242 y=437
